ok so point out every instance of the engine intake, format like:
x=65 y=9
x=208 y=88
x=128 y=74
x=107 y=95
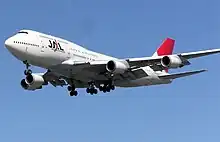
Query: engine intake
x=172 y=61
x=116 y=67
x=32 y=82
x=24 y=84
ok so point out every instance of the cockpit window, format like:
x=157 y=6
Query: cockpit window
x=23 y=32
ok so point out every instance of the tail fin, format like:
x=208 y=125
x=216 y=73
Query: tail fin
x=166 y=48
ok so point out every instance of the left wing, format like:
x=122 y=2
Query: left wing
x=152 y=61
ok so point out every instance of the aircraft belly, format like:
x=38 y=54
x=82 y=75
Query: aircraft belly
x=145 y=81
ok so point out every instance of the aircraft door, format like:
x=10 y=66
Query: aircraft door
x=43 y=46
x=68 y=51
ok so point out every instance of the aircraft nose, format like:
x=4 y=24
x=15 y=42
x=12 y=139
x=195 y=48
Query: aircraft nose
x=8 y=43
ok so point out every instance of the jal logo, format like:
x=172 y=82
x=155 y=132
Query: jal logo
x=55 y=46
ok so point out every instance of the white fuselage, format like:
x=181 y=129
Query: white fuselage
x=47 y=51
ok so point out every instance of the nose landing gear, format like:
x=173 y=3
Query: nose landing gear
x=27 y=71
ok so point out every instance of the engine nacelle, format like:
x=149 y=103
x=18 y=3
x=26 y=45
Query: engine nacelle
x=117 y=67
x=32 y=82
x=172 y=61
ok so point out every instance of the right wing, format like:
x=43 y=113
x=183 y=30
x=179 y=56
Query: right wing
x=95 y=70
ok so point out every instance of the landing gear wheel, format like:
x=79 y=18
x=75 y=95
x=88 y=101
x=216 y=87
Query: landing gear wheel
x=101 y=88
x=69 y=88
x=108 y=89
x=112 y=87
x=27 y=72
x=95 y=91
x=73 y=93
x=72 y=90
x=91 y=91
x=87 y=90
x=104 y=89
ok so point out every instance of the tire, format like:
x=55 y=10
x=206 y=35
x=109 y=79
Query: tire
x=25 y=72
x=112 y=87
x=108 y=89
x=87 y=90
x=73 y=87
x=95 y=91
x=100 y=88
x=29 y=71
x=69 y=88
x=75 y=93
x=72 y=93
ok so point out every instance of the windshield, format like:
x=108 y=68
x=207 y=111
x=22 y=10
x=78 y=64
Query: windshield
x=23 y=32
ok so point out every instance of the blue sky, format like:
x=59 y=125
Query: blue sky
x=187 y=110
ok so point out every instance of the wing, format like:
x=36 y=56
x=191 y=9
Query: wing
x=82 y=72
x=56 y=79
x=156 y=60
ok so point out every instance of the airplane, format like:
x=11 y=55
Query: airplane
x=68 y=64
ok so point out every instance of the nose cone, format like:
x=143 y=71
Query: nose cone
x=18 y=50
x=8 y=43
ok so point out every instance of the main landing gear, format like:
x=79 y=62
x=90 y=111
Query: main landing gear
x=106 y=88
x=91 y=90
x=72 y=90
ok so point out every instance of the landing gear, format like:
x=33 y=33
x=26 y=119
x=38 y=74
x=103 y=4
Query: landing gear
x=27 y=71
x=73 y=93
x=91 y=90
x=72 y=90
x=104 y=88
x=107 y=88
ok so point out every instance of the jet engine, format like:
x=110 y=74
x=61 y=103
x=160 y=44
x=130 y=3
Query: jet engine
x=172 y=61
x=32 y=82
x=117 y=67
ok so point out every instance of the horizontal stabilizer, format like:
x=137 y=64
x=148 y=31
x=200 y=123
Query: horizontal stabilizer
x=179 y=75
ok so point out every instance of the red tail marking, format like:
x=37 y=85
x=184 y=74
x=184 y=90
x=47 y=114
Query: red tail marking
x=166 y=47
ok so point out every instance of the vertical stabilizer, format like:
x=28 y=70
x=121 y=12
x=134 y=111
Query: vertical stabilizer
x=166 y=48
